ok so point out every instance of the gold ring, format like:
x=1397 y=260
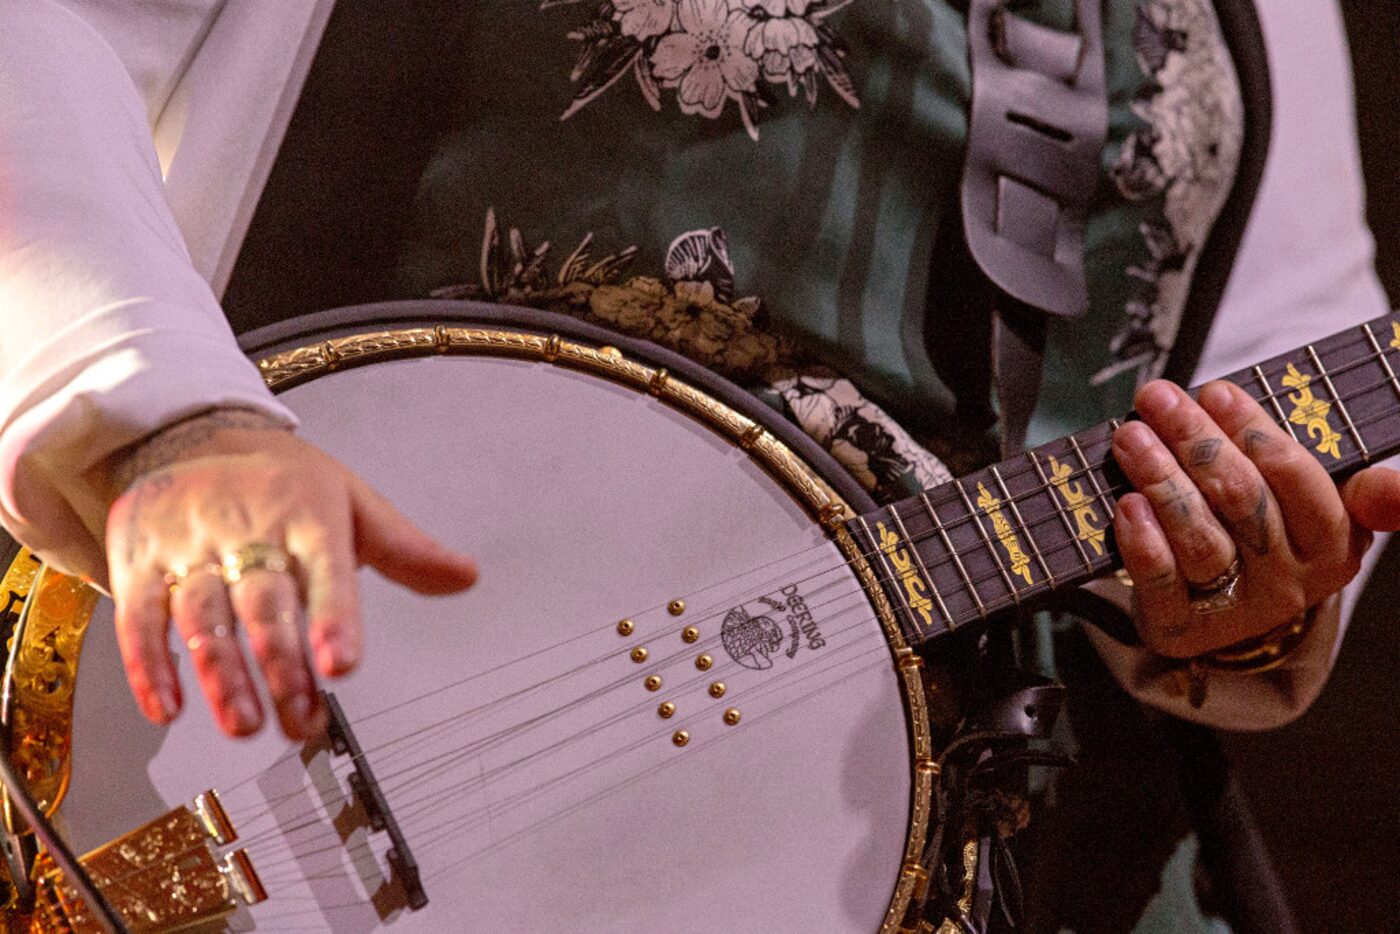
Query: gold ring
x=180 y=572
x=254 y=556
x=1220 y=594
x=198 y=639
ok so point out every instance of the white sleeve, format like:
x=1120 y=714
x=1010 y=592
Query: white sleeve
x=1304 y=270
x=107 y=332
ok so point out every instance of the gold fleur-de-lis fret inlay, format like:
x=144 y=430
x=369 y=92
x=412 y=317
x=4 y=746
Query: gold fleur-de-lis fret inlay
x=1395 y=341
x=1089 y=527
x=915 y=590
x=989 y=504
x=1311 y=412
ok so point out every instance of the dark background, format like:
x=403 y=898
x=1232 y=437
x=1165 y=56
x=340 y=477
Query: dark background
x=1326 y=789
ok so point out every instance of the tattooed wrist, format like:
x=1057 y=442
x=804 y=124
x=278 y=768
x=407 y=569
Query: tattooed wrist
x=170 y=444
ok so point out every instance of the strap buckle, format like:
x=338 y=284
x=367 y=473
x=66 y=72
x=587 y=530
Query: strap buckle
x=1038 y=123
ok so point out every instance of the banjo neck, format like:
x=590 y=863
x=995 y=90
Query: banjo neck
x=1015 y=533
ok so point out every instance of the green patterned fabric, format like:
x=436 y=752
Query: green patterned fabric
x=761 y=183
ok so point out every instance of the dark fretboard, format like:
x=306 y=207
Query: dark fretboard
x=1016 y=532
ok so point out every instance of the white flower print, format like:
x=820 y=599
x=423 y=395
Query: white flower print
x=643 y=19
x=705 y=59
x=710 y=52
x=786 y=47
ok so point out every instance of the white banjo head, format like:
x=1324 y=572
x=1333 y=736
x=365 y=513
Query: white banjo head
x=519 y=744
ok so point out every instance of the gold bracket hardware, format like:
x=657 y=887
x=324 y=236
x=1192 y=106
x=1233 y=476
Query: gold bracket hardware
x=330 y=354
x=214 y=818
x=749 y=438
x=551 y=348
x=442 y=340
x=919 y=876
x=160 y=878
x=831 y=515
x=657 y=383
x=907 y=658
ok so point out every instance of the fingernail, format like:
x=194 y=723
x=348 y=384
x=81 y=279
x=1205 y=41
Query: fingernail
x=333 y=658
x=300 y=708
x=1134 y=510
x=245 y=712
x=1134 y=438
x=1157 y=399
x=169 y=706
x=1216 y=398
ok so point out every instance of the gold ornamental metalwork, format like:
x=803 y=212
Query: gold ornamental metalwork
x=42 y=672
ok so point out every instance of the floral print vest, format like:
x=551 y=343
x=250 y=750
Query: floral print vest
x=763 y=185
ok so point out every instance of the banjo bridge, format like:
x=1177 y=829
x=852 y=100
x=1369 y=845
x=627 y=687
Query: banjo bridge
x=164 y=876
x=366 y=790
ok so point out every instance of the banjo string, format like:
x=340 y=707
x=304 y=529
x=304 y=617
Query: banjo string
x=552 y=818
x=443 y=831
x=645 y=709
x=991 y=604
x=487 y=744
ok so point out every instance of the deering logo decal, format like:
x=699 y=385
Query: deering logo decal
x=754 y=632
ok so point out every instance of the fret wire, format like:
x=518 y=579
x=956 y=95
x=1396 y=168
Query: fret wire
x=1278 y=409
x=1380 y=355
x=1035 y=548
x=1341 y=406
x=957 y=558
x=1101 y=491
x=1060 y=510
x=1108 y=507
x=1375 y=354
x=900 y=601
x=991 y=549
x=899 y=524
x=1272 y=396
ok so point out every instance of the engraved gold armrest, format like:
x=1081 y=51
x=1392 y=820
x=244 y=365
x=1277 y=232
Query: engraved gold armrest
x=165 y=876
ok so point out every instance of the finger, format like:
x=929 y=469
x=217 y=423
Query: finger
x=204 y=619
x=1372 y=498
x=325 y=555
x=1232 y=486
x=1201 y=546
x=267 y=604
x=387 y=541
x=1158 y=587
x=143 y=624
x=1312 y=513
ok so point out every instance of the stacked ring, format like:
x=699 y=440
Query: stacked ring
x=1219 y=594
x=178 y=573
x=254 y=556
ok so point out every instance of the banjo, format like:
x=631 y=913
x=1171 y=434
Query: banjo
x=684 y=696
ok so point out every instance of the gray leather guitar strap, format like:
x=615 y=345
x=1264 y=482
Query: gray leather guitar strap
x=1035 y=141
